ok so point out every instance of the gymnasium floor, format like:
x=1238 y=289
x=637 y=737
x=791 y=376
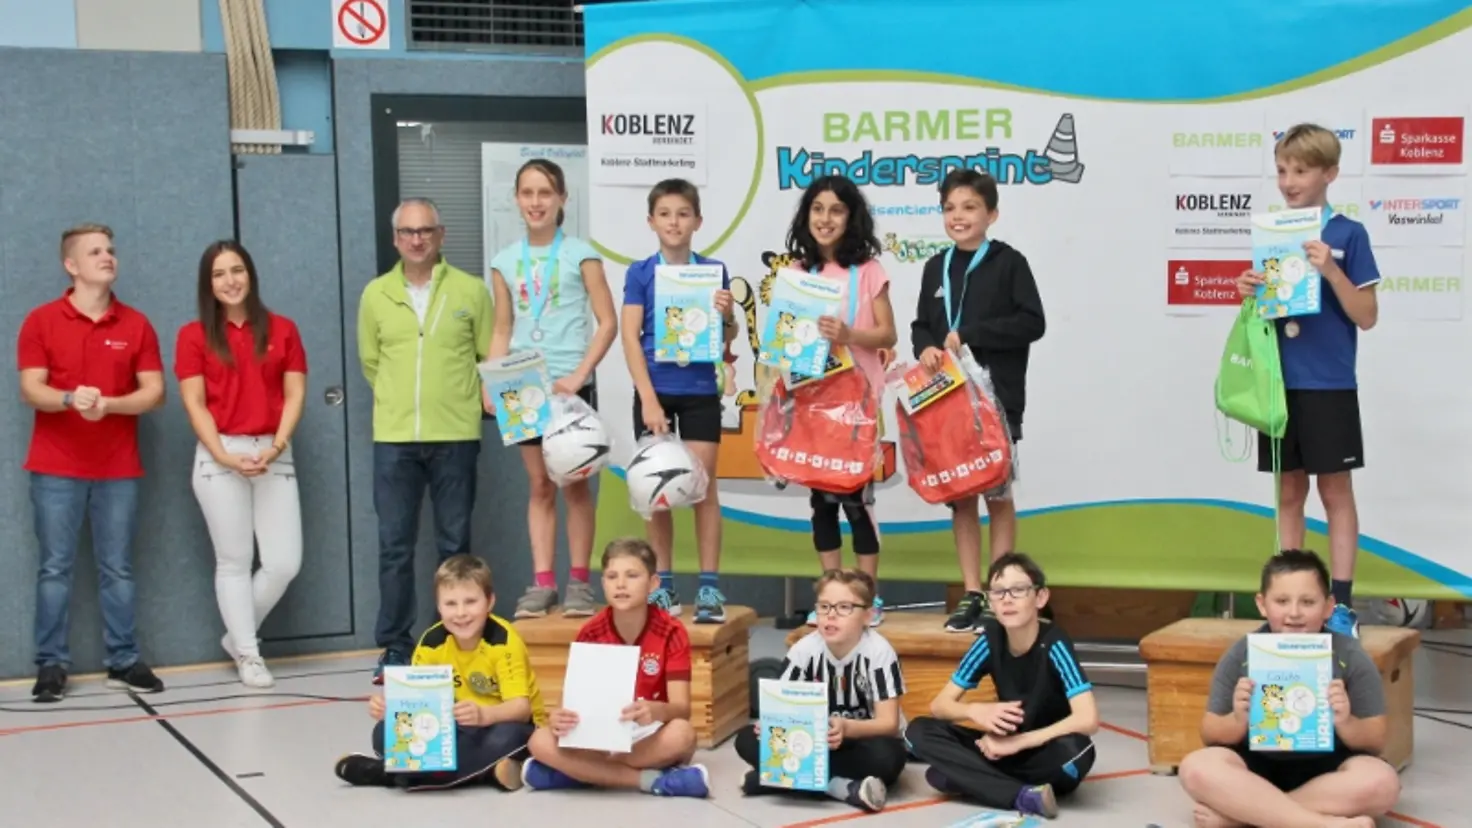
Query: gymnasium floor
x=188 y=757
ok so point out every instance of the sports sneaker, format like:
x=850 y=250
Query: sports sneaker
x=507 y=774
x=360 y=770
x=540 y=777
x=253 y=672
x=692 y=781
x=710 y=606
x=135 y=677
x=1344 y=621
x=878 y=617
x=50 y=684
x=967 y=615
x=667 y=600
x=578 y=600
x=390 y=658
x=536 y=602
x=1038 y=800
x=812 y=618
x=868 y=794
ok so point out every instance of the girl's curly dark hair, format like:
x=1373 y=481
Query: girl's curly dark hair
x=858 y=244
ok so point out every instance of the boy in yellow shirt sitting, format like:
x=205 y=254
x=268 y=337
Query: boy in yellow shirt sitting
x=497 y=703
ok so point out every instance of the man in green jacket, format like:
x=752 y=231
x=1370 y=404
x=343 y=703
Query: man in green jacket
x=422 y=328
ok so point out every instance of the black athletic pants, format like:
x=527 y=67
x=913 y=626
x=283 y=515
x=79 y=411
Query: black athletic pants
x=477 y=749
x=951 y=750
x=881 y=756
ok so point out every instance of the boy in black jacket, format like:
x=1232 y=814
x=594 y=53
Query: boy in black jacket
x=980 y=294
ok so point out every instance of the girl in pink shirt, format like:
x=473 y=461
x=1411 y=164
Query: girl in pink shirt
x=832 y=234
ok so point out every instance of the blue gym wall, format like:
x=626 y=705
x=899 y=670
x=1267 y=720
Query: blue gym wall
x=122 y=117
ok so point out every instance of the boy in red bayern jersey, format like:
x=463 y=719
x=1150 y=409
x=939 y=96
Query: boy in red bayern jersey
x=89 y=365
x=664 y=738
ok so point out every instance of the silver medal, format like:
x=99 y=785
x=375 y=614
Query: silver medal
x=1291 y=329
x=536 y=334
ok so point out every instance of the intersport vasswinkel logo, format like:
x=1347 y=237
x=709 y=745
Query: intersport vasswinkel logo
x=1413 y=211
x=662 y=128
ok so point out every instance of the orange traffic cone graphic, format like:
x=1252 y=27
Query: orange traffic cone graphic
x=1062 y=152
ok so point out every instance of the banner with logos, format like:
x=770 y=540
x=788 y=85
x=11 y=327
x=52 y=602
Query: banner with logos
x=1129 y=173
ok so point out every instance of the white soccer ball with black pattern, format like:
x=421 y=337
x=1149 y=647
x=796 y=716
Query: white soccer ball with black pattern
x=664 y=475
x=1402 y=612
x=575 y=445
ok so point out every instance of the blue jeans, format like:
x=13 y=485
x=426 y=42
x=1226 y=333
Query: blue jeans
x=401 y=473
x=60 y=505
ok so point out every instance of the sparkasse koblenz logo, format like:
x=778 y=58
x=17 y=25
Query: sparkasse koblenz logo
x=661 y=128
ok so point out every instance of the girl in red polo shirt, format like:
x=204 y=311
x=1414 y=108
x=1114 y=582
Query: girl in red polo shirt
x=243 y=378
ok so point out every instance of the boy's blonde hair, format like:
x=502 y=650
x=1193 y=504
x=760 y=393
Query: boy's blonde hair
x=860 y=583
x=1309 y=144
x=464 y=569
x=81 y=230
x=630 y=548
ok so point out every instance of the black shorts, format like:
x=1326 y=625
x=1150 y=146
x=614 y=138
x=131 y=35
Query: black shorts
x=1289 y=773
x=1323 y=435
x=589 y=394
x=694 y=417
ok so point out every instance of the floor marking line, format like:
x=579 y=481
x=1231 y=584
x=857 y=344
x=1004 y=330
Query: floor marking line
x=220 y=774
x=1410 y=820
x=206 y=665
x=926 y=803
x=156 y=716
x=1124 y=731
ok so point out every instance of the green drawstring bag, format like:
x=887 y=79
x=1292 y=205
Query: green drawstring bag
x=1249 y=384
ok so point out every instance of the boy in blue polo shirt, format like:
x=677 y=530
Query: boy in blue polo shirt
x=683 y=397
x=1318 y=355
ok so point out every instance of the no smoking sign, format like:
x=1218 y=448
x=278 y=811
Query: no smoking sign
x=360 y=24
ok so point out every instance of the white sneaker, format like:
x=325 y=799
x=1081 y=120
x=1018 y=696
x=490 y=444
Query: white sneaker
x=253 y=672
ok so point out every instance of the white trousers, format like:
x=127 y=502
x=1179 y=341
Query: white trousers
x=241 y=511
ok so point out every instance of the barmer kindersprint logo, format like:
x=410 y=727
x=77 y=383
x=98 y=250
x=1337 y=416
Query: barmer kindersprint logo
x=976 y=139
x=663 y=128
x=1412 y=211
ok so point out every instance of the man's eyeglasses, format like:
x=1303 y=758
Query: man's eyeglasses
x=415 y=232
x=844 y=608
x=1017 y=592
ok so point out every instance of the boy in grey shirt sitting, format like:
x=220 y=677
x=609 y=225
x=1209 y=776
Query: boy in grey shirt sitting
x=1233 y=785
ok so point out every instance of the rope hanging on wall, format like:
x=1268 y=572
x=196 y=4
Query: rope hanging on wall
x=255 y=101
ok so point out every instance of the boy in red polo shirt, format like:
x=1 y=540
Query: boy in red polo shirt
x=665 y=739
x=89 y=365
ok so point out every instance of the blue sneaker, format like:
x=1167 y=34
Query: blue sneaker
x=667 y=600
x=390 y=658
x=1038 y=800
x=710 y=606
x=878 y=612
x=540 y=777
x=692 y=781
x=1344 y=621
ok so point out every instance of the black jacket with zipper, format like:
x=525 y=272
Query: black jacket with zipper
x=1001 y=316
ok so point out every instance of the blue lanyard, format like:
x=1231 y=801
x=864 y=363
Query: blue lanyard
x=953 y=318
x=1324 y=219
x=537 y=293
x=853 y=291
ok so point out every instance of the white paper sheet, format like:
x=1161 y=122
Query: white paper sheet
x=598 y=685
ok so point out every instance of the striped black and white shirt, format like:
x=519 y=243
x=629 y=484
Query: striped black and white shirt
x=858 y=682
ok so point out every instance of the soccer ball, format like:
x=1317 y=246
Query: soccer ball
x=1403 y=612
x=664 y=475
x=575 y=445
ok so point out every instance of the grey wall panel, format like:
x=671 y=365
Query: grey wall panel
x=140 y=142
x=287 y=210
x=138 y=25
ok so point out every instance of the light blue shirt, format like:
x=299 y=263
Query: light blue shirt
x=567 y=319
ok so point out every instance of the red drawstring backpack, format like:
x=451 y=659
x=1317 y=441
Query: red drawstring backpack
x=824 y=434
x=957 y=445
